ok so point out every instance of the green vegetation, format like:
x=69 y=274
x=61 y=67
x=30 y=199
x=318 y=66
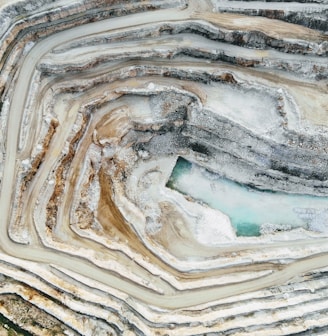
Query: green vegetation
x=13 y=329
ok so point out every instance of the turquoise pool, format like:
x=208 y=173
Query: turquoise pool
x=251 y=211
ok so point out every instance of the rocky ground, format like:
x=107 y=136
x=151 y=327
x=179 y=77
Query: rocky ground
x=98 y=101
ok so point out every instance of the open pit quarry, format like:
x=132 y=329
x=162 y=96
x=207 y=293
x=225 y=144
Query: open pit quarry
x=139 y=142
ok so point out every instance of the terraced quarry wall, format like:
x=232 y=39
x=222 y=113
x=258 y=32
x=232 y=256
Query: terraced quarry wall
x=99 y=99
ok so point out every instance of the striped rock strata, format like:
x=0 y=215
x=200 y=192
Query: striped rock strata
x=98 y=100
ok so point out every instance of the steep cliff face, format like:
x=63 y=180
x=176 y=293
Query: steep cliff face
x=99 y=99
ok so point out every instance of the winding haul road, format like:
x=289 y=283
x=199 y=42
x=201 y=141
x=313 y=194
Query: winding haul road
x=36 y=252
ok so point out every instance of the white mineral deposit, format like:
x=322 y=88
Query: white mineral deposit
x=164 y=167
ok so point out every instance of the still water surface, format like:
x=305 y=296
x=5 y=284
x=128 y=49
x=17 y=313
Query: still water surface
x=250 y=210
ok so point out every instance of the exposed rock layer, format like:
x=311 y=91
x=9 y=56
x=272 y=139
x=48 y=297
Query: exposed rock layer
x=98 y=99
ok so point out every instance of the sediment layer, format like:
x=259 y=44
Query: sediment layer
x=98 y=100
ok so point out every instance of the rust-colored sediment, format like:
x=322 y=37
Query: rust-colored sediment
x=54 y=200
x=270 y=27
x=114 y=223
x=40 y=157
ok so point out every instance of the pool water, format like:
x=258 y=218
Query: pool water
x=251 y=211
